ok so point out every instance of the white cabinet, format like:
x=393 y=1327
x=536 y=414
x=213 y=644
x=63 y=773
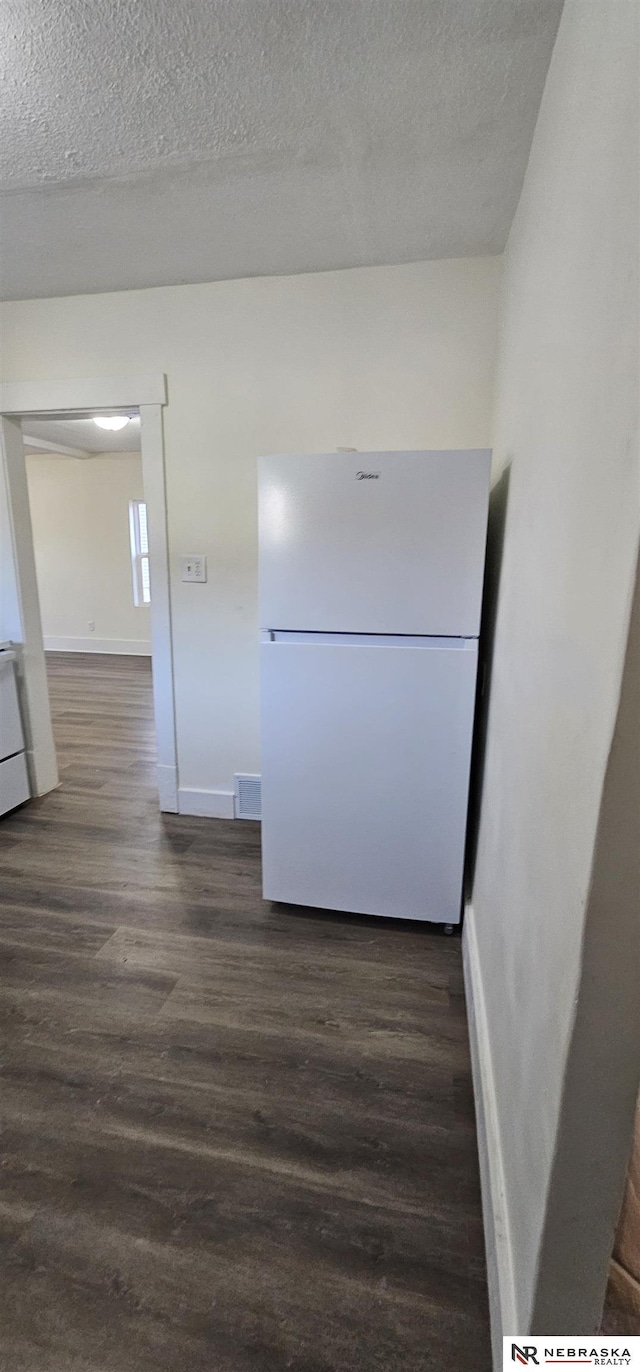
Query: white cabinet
x=14 y=781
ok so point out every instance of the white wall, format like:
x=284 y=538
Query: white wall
x=373 y=358
x=10 y=617
x=80 y=519
x=567 y=426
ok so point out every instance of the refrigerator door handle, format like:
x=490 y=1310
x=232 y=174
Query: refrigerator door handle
x=317 y=639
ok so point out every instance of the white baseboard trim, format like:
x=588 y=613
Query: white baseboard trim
x=167 y=789
x=136 y=647
x=210 y=804
x=502 y=1302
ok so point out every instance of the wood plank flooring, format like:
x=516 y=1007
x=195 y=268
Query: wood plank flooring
x=235 y=1136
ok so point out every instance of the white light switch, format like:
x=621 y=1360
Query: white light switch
x=194 y=567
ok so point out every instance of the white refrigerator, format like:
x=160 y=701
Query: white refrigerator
x=370 y=572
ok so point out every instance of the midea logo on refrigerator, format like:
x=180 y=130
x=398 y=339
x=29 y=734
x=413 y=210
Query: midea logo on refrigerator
x=367 y=476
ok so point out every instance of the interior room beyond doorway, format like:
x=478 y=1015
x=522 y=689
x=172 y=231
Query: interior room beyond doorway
x=91 y=552
x=90 y=534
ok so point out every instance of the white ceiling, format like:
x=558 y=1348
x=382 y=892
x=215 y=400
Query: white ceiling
x=82 y=435
x=172 y=141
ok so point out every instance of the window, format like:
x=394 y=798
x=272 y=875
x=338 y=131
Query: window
x=140 y=563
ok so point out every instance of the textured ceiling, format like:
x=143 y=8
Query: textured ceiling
x=83 y=435
x=167 y=141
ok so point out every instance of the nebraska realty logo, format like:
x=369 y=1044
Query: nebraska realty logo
x=589 y=1352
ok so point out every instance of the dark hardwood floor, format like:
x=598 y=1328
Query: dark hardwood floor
x=235 y=1137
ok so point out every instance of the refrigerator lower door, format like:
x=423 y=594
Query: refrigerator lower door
x=366 y=746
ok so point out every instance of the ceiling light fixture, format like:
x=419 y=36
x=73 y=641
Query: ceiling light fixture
x=111 y=421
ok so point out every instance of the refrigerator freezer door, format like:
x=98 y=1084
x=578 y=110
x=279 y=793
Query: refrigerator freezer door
x=365 y=774
x=382 y=543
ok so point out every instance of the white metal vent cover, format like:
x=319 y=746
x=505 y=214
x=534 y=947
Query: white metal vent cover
x=248 y=795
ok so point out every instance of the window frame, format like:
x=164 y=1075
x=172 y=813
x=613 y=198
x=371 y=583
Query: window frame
x=140 y=556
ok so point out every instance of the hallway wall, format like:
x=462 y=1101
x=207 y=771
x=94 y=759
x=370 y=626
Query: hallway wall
x=566 y=429
x=383 y=357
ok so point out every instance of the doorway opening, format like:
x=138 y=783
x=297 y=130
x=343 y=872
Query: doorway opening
x=91 y=546
x=84 y=585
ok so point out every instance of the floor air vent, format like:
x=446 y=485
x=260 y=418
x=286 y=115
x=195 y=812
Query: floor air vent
x=248 y=796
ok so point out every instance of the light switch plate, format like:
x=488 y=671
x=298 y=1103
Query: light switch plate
x=194 y=567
